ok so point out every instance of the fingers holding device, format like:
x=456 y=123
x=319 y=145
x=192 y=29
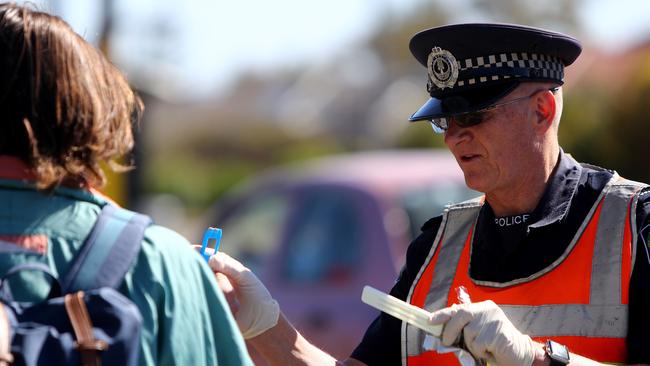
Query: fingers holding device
x=211 y=242
x=257 y=311
x=486 y=332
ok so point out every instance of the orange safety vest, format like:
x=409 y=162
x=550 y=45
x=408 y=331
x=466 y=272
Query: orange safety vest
x=580 y=300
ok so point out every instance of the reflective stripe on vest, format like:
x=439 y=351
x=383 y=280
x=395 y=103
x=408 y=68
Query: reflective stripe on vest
x=580 y=300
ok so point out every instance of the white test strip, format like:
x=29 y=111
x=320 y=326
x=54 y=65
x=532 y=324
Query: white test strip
x=400 y=309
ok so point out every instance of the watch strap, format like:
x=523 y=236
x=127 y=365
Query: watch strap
x=557 y=353
x=555 y=362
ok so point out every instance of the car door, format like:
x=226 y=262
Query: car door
x=334 y=243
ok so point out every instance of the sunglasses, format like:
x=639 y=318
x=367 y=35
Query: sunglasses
x=467 y=119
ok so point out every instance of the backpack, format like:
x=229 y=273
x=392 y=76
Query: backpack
x=84 y=320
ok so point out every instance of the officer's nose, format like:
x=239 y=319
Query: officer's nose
x=456 y=134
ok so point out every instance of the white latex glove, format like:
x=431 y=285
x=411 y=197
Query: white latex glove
x=487 y=333
x=257 y=311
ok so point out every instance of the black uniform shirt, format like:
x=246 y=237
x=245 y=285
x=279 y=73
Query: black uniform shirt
x=509 y=248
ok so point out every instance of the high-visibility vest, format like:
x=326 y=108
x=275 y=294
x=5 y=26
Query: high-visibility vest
x=580 y=300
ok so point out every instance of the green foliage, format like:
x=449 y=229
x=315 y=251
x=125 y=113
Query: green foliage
x=610 y=128
x=197 y=182
x=201 y=167
x=585 y=121
x=419 y=134
x=629 y=125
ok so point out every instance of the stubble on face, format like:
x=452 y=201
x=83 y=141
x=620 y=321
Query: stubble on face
x=495 y=155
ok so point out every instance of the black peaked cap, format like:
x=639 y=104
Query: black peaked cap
x=471 y=66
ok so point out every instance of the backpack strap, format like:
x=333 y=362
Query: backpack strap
x=5 y=289
x=109 y=250
x=86 y=343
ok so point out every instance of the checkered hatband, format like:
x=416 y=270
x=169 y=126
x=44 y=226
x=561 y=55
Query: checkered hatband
x=484 y=69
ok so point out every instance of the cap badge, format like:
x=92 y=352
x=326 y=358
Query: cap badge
x=442 y=68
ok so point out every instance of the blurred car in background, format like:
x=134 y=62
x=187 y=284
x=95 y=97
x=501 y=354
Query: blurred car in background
x=316 y=234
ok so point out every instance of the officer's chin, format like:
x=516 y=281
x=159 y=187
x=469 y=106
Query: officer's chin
x=475 y=182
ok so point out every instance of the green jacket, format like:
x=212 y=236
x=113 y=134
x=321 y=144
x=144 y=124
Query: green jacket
x=186 y=320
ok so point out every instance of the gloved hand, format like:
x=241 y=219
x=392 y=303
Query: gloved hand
x=487 y=333
x=257 y=311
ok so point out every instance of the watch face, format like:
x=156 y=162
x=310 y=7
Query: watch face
x=558 y=351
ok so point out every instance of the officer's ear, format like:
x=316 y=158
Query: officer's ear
x=545 y=108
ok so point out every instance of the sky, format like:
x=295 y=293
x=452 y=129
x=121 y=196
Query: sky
x=617 y=24
x=207 y=43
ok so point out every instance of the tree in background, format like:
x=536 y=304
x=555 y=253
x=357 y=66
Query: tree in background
x=605 y=118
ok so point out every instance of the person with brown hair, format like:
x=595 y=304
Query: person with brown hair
x=66 y=110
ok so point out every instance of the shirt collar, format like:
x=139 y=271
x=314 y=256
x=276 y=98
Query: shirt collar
x=556 y=201
x=16 y=173
x=14 y=168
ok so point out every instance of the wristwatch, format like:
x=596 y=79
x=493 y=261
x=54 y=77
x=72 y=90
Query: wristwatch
x=558 y=353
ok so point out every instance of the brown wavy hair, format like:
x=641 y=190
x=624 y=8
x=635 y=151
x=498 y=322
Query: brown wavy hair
x=65 y=108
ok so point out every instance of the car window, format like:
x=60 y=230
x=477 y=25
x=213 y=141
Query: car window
x=251 y=232
x=423 y=204
x=325 y=242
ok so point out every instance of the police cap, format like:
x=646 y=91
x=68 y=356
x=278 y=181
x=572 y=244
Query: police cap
x=471 y=66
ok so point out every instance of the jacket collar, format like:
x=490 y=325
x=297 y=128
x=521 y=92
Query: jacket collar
x=556 y=201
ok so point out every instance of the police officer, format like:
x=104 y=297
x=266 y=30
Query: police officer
x=553 y=256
